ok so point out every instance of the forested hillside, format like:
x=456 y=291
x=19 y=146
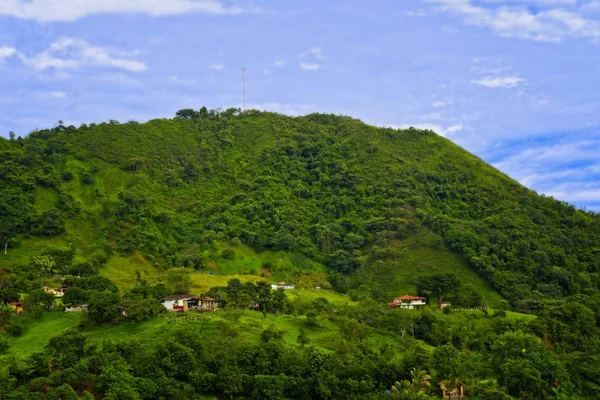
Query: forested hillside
x=331 y=188
x=316 y=200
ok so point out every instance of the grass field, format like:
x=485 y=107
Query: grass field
x=38 y=333
x=524 y=317
x=422 y=254
x=122 y=271
x=309 y=295
x=249 y=325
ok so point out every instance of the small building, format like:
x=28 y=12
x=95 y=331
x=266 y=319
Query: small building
x=17 y=306
x=445 y=304
x=282 y=285
x=56 y=292
x=76 y=308
x=408 y=302
x=455 y=394
x=180 y=302
x=207 y=303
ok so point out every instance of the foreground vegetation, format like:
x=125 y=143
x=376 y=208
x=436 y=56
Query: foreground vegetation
x=126 y=214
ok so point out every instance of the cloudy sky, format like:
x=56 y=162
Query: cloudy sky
x=514 y=81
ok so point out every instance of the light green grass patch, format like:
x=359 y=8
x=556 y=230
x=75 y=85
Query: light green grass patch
x=39 y=332
x=521 y=316
x=122 y=270
x=279 y=265
x=45 y=199
x=421 y=255
x=203 y=282
x=310 y=295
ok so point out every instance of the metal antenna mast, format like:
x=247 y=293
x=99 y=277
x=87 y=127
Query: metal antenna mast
x=243 y=89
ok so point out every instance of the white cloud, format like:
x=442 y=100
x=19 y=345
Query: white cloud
x=6 y=52
x=443 y=103
x=498 y=82
x=309 y=66
x=428 y=126
x=453 y=128
x=317 y=52
x=279 y=63
x=517 y=20
x=69 y=53
x=72 y=10
x=417 y=13
x=217 y=67
x=314 y=53
x=567 y=171
x=50 y=95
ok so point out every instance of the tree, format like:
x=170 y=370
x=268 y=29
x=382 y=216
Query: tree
x=420 y=378
x=8 y=230
x=75 y=295
x=187 y=113
x=179 y=279
x=230 y=382
x=7 y=382
x=234 y=288
x=271 y=333
x=142 y=308
x=264 y=296
x=44 y=264
x=302 y=338
x=11 y=135
x=268 y=387
x=3 y=344
x=67 y=348
x=40 y=297
x=447 y=362
x=438 y=286
x=50 y=223
x=103 y=307
x=9 y=295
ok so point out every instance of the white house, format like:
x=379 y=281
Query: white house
x=76 y=308
x=408 y=302
x=282 y=285
x=179 y=302
x=56 y=292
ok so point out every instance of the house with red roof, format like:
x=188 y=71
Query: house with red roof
x=180 y=302
x=408 y=302
x=207 y=303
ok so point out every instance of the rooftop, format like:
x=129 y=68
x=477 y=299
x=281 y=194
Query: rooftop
x=180 y=297
x=408 y=297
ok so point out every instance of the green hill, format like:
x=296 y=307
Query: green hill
x=292 y=196
x=223 y=203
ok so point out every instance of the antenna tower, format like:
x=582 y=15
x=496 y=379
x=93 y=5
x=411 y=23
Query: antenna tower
x=243 y=89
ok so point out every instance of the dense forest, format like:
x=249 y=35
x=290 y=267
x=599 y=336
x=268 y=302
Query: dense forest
x=349 y=206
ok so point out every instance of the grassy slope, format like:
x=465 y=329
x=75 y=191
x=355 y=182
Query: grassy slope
x=422 y=254
x=250 y=325
x=38 y=333
x=246 y=266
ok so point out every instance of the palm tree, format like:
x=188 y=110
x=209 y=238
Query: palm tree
x=420 y=377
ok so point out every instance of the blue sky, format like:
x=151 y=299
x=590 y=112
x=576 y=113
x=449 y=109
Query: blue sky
x=514 y=81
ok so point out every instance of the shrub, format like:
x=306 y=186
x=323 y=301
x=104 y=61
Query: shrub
x=228 y=254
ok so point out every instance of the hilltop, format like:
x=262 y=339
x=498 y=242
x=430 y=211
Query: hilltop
x=318 y=197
